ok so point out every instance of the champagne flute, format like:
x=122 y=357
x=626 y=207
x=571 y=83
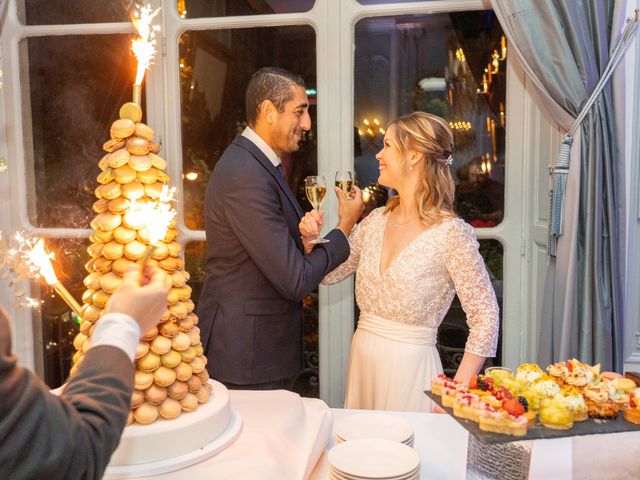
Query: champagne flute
x=316 y=189
x=344 y=180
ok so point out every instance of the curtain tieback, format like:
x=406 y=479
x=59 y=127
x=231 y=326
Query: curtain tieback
x=560 y=170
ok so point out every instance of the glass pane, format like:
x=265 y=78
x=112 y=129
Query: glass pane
x=453 y=331
x=215 y=67
x=306 y=382
x=54 y=12
x=449 y=64
x=57 y=326
x=76 y=87
x=229 y=8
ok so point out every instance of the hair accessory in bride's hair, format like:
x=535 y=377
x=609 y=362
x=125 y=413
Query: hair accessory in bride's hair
x=448 y=160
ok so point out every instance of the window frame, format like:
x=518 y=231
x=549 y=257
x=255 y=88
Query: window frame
x=334 y=24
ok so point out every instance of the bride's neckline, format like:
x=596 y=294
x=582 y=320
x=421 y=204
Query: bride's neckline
x=406 y=247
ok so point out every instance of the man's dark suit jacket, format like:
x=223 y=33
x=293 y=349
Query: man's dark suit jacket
x=43 y=436
x=257 y=274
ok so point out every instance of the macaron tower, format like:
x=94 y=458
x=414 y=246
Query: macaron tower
x=171 y=375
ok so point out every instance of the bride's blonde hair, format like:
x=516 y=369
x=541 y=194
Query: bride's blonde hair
x=432 y=138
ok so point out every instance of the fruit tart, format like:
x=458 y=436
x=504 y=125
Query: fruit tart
x=449 y=392
x=519 y=406
x=500 y=421
x=438 y=382
x=631 y=411
x=468 y=405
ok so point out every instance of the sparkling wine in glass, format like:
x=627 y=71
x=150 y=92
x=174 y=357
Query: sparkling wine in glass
x=344 y=180
x=316 y=189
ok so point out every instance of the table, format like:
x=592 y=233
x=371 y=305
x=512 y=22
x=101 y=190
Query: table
x=287 y=437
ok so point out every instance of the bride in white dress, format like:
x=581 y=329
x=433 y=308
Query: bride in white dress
x=410 y=258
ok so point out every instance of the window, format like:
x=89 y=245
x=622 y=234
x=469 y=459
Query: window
x=215 y=68
x=452 y=65
x=76 y=86
x=58 y=12
x=75 y=72
x=228 y=8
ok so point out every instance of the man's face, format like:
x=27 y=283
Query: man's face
x=288 y=125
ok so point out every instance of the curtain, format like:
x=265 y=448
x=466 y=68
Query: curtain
x=564 y=48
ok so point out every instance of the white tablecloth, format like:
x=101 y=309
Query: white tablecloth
x=286 y=437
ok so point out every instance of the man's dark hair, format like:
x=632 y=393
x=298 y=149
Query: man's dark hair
x=269 y=83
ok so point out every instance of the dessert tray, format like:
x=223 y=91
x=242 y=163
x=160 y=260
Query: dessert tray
x=538 y=432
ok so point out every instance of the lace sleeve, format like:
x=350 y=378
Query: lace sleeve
x=356 y=238
x=474 y=289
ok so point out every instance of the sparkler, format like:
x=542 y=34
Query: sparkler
x=144 y=45
x=159 y=215
x=41 y=260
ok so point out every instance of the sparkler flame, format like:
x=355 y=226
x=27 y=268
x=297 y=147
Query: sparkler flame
x=144 y=45
x=41 y=260
x=158 y=214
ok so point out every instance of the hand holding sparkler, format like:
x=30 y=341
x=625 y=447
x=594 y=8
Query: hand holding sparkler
x=142 y=295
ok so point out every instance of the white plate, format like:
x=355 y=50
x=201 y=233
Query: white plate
x=374 y=425
x=373 y=458
x=338 y=475
x=409 y=441
x=333 y=475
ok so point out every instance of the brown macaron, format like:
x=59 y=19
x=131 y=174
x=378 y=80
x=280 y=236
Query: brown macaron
x=137 y=146
x=170 y=408
x=111 y=146
x=164 y=376
x=122 y=128
x=140 y=163
x=133 y=190
x=146 y=414
x=178 y=390
x=112 y=250
x=144 y=131
x=131 y=111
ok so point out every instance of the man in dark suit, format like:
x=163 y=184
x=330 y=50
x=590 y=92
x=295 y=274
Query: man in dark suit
x=72 y=436
x=258 y=270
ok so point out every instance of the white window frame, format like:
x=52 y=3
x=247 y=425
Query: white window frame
x=631 y=76
x=333 y=22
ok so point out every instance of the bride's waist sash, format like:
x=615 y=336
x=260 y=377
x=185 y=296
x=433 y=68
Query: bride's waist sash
x=400 y=332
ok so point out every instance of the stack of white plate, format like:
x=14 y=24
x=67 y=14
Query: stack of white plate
x=373 y=458
x=374 y=425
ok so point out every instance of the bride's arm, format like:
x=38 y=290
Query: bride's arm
x=478 y=300
x=469 y=366
x=356 y=240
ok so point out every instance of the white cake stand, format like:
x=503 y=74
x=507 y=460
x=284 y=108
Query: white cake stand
x=134 y=458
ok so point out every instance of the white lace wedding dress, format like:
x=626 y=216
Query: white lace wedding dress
x=393 y=354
